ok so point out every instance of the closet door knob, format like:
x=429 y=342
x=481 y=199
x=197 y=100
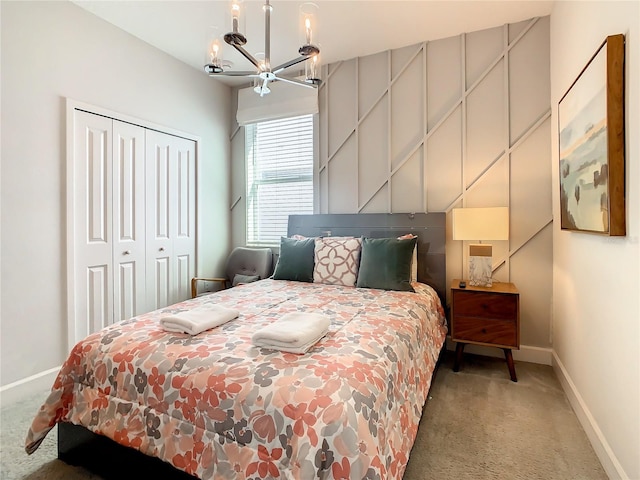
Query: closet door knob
x=126 y=252
x=161 y=249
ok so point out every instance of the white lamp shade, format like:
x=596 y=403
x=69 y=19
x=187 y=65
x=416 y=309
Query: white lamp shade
x=481 y=223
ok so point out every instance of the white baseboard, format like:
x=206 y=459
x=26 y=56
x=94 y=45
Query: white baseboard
x=526 y=353
x=21 y=389
x=599 y=443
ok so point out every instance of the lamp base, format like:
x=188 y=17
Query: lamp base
x=480 y=265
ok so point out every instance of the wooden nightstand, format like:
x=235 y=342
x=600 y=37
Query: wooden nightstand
x=487 y=316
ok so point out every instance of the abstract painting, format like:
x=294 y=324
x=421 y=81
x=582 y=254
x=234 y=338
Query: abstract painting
x=592 y=158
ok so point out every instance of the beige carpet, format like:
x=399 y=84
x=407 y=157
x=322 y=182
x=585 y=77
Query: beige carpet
x=477 y=425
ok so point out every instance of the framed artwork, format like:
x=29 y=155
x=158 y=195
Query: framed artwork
x=592 y=156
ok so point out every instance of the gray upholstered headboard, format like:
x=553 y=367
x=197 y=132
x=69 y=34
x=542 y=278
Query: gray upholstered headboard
x=429 y=227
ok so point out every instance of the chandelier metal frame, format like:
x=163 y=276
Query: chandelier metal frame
x=264 y=73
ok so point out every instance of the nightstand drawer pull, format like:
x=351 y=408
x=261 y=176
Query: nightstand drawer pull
x=484 y=330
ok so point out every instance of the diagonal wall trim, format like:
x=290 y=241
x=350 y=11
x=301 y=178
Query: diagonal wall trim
x=373 y=106
x=233 y=205
x=546 y=115
x=514 y=250
x=328 y=75
x=372 y=196
x=235 y=132
x=515 y=146
x=339 y=147
x=523 y=33
x=444 y=118
x=512 y=148
x=532 y=128
x=384 y=92
x=406 y=158
x=486 y=170
x=419 y=47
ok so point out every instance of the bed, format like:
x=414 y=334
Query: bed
x=215 y=406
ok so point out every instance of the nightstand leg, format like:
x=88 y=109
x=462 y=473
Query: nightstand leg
x=458 y=360
x=512 y=368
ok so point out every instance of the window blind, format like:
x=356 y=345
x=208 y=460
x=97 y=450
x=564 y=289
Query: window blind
x=279 y=176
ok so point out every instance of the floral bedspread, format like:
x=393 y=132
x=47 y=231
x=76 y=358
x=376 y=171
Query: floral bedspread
x=215 y=406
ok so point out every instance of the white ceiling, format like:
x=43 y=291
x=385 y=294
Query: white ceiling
x=346 y=29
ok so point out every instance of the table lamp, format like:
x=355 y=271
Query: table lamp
x=478 y=224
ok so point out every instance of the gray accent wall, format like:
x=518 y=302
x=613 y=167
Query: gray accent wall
x=457 y=122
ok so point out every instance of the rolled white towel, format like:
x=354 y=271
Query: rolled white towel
x=198 y=320
x=295 y=332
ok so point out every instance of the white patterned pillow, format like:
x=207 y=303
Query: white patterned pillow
x=337 y=260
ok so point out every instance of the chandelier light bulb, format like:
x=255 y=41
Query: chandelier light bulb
x=235 y=15
x=307 y=26
x=215 y=48
x=308 y=18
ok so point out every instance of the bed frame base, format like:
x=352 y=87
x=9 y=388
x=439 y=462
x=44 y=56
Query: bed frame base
x=102 y=456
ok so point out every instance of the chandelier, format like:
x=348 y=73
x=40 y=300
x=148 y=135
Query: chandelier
x=264 y=73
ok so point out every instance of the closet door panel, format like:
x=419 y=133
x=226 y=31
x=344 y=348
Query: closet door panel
x=91 y=292
x=184 y=233
x=159 y=173
x=97 y=298
x=184 y=273
x=129 y=220
x=161 y=287
x=171 y=217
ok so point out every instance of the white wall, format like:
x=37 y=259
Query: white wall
x=596 y=279
x=55 y=50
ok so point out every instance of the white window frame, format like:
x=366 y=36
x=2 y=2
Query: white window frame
x=250 y=189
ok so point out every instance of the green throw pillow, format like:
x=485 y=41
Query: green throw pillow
x=385 y=263
x=296 y=260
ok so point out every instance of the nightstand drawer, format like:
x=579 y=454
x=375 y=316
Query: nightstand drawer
x=495 y=332
x=486 y=305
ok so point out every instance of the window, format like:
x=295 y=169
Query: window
x=279 y=176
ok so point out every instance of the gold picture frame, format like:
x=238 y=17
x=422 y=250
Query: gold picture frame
x=592 y=145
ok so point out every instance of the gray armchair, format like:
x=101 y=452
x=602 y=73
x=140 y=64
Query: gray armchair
x=244 y=265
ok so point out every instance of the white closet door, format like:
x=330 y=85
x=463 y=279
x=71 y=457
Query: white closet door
x=92 y=305
x=170 y=233
x=128 y=221
x=131 y=196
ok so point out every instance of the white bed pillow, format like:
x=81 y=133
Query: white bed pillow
x=336 y=260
